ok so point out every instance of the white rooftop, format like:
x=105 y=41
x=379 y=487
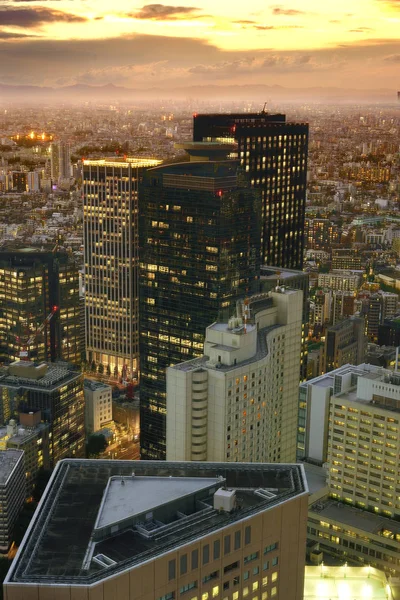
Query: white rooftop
x=127 y=497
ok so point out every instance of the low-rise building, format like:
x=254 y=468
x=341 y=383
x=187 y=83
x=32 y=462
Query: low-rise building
x=98 y=405
x=31 y=436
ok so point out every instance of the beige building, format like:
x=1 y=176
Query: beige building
x=239 y=401
x=340 y=280
x=98 y=405
x=111 y=249
x=166 y=531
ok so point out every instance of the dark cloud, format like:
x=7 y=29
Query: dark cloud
x=136 y=62
x=287 y=12
x=34 y=17
x=12 y=35
x=162 y=12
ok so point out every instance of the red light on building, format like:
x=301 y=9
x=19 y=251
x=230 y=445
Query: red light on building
x=194 y=115
x=219 y=193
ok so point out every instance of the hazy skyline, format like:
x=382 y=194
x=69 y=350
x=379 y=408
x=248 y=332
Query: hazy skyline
x=290 y=43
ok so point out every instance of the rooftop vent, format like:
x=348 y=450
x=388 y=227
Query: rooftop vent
x=225 y=500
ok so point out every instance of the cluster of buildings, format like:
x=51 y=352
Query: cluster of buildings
x=193 y=284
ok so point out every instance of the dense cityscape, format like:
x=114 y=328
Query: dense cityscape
x=215 y=287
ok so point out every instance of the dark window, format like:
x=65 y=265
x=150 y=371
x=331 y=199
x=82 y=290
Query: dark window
x=187 y=587
x=183 y=564
x=206 y=554
x=226 y=585
x=171 y=569
x=237 y=539
x=227 y=544
x=231 y=567
x=236 y=580
x=247 y=535
x=275 y=561
x=217 y=549
x=211 y=576
x=195 y=559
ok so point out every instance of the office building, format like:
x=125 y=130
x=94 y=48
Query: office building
x=55 y=389
x=270 y=277
x=31 y=436
x=377 y=307
x=199 y=230
x=98 y=405
x=12 y=494
x=273 y=154
x=347 y=259
x=346 y=281
x=321 y=234
x=33 y=181
x=389 y=332
x=343 y=305
x=345 y=343
x=239 y=401
x=111 y=248
x=33 y=286
x=165 y=530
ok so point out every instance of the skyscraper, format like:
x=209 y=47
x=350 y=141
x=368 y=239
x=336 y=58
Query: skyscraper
x=273 y=154
x=60 y=160
x=111 y=242
x=239 y=401
x=199 y=230
x=32 y=284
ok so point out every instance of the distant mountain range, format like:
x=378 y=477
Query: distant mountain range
x=30 y=94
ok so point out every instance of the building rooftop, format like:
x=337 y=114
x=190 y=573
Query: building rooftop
x=338 y=583
x=125 y=161
x=94 y=385
x=203 y=361
x=8 y=461
x=52 y=378
x=355 y=517
x=63 y=546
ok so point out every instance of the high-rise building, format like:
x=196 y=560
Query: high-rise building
x=60 y=161
x=166 y=530
x=345 y=343
x=377 y=307
x=33 y=284
x=199 y=230
x=347 y=259
x=273 y=154
x=298 y=280
x=19 y=181
x=111 y=247
x=12 y=494
x=239 y=401
x=54 y=389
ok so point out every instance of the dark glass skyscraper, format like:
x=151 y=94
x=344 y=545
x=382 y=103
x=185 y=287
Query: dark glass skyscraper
x=273 y=154
x=199 y=244
x=32 y=283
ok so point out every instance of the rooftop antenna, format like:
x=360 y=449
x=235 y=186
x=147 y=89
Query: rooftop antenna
x=264 y=110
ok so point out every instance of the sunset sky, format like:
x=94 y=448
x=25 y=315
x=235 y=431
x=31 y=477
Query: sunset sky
x=342 y=43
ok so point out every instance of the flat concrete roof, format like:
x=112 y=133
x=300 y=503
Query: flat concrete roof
x=127 y=497
x=60 y=546
x=8 y=461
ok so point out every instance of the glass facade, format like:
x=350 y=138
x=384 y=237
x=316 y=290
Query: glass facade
x=31 y=284
x=199 y=228
x=273 y=154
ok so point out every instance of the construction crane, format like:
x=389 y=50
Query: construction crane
x=24 y=352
